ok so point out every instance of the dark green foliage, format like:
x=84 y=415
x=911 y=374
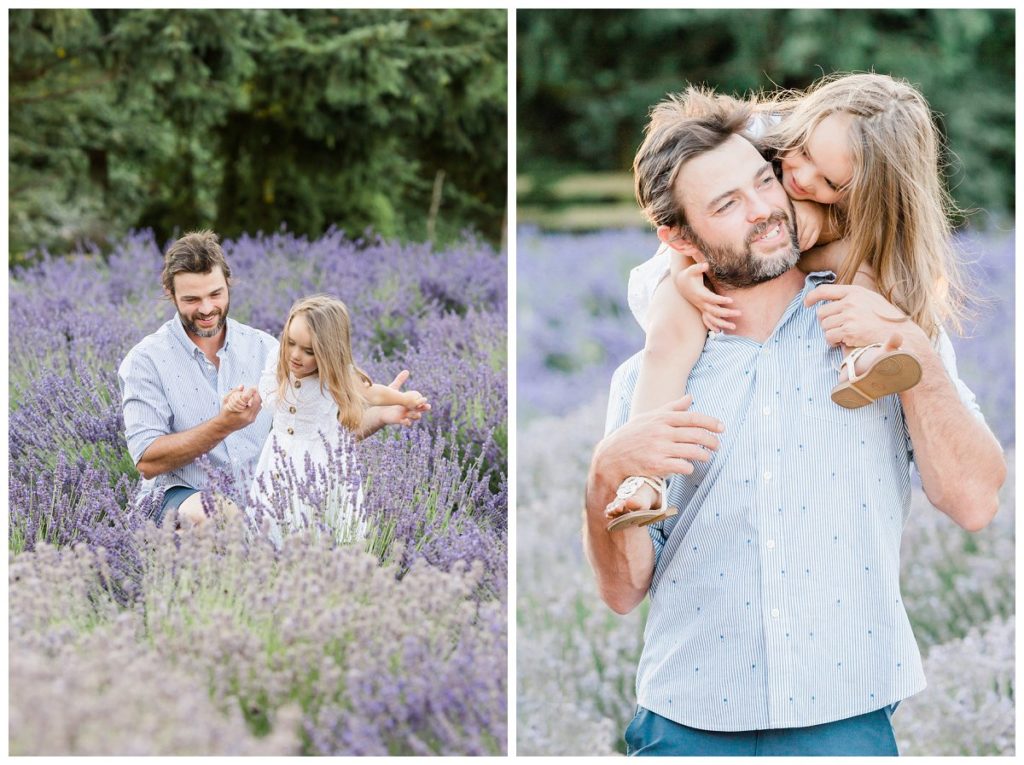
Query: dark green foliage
x=586 y=79
x=246 y=120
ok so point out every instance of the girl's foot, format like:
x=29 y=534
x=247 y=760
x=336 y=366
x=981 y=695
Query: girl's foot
x=875 y=371
x=640 y=500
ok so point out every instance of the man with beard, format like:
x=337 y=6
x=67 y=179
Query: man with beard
x=175 y=383
x=776 y=624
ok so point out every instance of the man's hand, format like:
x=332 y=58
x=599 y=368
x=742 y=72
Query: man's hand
x=240 y=408
x=665 y=441
x=857 y=316
x=662 y=442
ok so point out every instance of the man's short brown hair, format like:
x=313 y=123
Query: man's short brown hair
x=681 y=127
x=198 y=252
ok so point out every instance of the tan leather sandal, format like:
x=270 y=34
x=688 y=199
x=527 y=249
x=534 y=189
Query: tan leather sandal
x=627 y=519
x=892 y=372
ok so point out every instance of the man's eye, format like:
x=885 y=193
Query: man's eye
x=725 y=207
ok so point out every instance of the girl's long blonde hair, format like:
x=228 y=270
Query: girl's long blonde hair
x=329 y=325
x=896 y=211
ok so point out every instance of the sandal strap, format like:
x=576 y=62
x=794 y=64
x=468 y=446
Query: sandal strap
x=656 y=483
x=851 y=361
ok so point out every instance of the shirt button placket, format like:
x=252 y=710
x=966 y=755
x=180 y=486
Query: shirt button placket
x=775 y=609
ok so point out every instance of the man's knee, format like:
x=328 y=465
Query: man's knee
x=191 y=512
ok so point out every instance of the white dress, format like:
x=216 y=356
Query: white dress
x=305 y=470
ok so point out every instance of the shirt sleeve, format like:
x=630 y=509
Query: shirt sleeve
x=620 y=400
x=268 y=380
x=945 y=348
x=642 y=282
x=147 y=413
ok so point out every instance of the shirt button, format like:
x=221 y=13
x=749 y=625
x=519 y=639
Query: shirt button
x=770 y=544
x=291 y=432
x=291 y=410
x=298 y=383
x=767 y=410
x=775 y=613
x=767 y=476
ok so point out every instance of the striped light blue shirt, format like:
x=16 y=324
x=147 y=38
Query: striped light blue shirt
x=169 y=386
x=775 y=601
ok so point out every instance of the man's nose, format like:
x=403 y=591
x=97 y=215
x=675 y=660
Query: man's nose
x=759 y=209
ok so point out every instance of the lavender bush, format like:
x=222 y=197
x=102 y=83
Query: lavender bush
x=434 y=496
x=576 y=660
x=318 y=648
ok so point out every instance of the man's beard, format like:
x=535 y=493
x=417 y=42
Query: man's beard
x=191 y=327
x=737 y=268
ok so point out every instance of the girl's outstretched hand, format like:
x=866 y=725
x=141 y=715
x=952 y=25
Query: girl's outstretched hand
x=412 y=407
x=712 y=307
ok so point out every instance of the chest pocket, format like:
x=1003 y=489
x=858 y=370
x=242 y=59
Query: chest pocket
x=819 y=374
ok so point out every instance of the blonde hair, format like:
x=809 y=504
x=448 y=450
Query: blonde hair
x=330 y=328
x=895 y=210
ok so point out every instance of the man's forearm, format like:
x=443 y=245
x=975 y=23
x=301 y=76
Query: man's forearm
x=623 y=561
x=960 y=461
x=172 y=451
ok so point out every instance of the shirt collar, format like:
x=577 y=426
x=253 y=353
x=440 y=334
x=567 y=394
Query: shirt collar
x=811 y=281
x=178 y=330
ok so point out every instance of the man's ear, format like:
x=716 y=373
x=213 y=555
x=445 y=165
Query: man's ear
x=675 y=238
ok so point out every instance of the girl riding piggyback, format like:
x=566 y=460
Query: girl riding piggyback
x=318 y=396
x=858 y=155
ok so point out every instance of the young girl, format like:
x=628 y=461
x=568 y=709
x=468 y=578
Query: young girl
x=859 y=157
x=313 y=385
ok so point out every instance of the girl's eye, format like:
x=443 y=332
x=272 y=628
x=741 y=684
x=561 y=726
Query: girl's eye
x=832 y=186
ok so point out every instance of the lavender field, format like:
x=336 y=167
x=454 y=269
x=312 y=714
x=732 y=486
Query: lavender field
x=126 y=638
x=576 y=659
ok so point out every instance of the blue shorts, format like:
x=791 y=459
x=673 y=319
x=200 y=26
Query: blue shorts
x=172 y=500
x=869 y=734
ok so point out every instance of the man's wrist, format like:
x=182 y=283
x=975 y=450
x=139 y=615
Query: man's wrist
x=601 y=481
x=220 y=426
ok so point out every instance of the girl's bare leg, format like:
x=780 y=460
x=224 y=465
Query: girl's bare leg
x=675 y=339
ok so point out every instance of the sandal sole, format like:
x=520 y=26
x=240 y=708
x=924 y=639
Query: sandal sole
x=893 y=373
x=640 y=518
